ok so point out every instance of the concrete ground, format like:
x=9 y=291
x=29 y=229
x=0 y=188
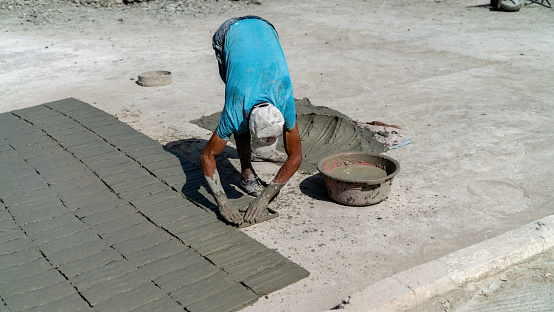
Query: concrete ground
x=474 y=85
x=528 y=286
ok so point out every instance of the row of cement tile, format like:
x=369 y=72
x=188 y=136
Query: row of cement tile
x=54 y=246
x=82 y=195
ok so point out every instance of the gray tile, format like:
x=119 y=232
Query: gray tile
x=131 y=299
x=71 y=303
x=103 y=204
x=236 y=253
x=45 y=225
x=134 y=183
x=86 y=201
x=186 y=276
x=110 y=162
x=77 y=135
x=254 y=264
x=118 y=224
x=163 y=304
x=58 y=232
x=76 y=253
x=58 y=159
x=60 y=129
x=58 y=244
x=91 y=262
x=58 y=133
x=152 y=159
x=40 y=296
x=99 y=275
x=8 y=224
x=41 y=214
x=7 y=235
x=29 y=188
x=154 y=199
x=206 y=233
x=96 y=151
x=171 y=211
x=106 y=172
x=142 y=242
x=31 y=282
x=24 y=269
x=125 y=176
x=170 y=171
x=163 y=266
x=42 y=152
x=191 y=223
x=16 y=245
x=130 y=232
x=53 y=171
x=34 y=206
x=156 y=252
x=220 y=242
x=18 y=258
x=101 y=157
x=83 y=195
x=231 y=299
x=275 y=278
x=17 y=170
x=99 y=122
x=109 y=215
x=153 y=150
x=209 y=286
x=68 y=180
x=143 y=191
x=38 y=146
x=114 y=286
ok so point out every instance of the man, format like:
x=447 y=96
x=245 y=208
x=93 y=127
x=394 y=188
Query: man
x=259 y=107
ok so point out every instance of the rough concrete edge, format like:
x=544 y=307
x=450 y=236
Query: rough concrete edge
x=409 y=288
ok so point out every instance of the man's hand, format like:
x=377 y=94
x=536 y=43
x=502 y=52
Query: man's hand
x=207 y=162
x=230 y=213
x=255 y=208
x=260 y=203
x=293 y=148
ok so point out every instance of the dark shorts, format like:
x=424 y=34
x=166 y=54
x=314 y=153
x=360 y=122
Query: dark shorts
x=218 y=41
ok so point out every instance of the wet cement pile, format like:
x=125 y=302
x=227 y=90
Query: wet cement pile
x=323 y=132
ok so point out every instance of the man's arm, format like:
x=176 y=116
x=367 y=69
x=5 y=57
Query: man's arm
x=207 y=162
x=293 y=147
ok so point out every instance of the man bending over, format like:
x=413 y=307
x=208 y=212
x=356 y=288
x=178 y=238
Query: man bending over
x=259 y=107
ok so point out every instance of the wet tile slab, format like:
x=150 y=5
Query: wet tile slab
x=97 y=216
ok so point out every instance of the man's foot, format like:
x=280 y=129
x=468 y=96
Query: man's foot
x=253 y=187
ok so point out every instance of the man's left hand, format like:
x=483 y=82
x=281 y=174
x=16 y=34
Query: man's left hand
x=255 y=208
x=260 y=203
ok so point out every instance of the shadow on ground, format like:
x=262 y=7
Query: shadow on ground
x=314 y=187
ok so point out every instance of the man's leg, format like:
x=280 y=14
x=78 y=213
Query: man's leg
x=243 y=149
x=250 y=183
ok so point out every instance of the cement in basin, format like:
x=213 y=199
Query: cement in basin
x=323 y=132
x=357 y=173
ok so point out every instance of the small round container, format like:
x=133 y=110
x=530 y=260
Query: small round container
x=155 y=78
x=358 y=179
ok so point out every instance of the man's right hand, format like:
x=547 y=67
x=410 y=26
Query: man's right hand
x=230 y=213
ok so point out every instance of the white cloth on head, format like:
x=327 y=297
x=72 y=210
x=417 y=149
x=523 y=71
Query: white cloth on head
x=266 y=125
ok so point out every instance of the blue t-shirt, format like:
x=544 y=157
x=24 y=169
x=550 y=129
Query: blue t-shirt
x=256 y=72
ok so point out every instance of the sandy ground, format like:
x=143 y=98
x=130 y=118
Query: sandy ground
x=475 y=87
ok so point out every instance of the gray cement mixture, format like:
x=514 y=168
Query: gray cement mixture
x=473 y=84
x=323 y=132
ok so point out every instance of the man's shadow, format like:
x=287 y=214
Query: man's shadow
x=195 y=186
